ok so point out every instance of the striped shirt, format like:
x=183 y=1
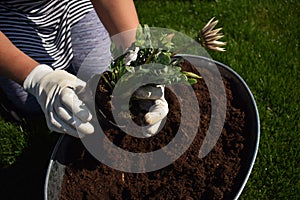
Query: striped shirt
x=41 y=28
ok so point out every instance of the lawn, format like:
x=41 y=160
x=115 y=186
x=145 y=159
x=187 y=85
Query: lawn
x=263 y=47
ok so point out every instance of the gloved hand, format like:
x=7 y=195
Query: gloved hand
x=56 y=92
x=158 y=110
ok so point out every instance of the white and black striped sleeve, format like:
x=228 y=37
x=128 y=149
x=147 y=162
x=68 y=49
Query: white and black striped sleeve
x=41 y=29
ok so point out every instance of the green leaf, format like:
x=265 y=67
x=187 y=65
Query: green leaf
x=192 y=81
x=191 y=74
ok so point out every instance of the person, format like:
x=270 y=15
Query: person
x=43 y=45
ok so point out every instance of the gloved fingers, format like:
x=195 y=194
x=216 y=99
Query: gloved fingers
x=85 y=128
x=157 y=112
x=62 y=112
x=71 y=101
x=76 y=128
x=149 y=92
x=151 y=130
x=154 y=117
x=55 y=124
x=69 y=119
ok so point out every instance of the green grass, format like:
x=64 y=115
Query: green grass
x=263 y=47
x=13 y=141
x=17 y=139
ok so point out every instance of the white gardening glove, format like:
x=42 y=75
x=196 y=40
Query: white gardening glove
x=157 y=112
x=56 y=92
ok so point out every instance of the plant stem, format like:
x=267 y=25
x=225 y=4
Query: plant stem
x=105 y=79
x=151 y=56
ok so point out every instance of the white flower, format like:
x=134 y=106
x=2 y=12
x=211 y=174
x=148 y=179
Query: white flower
x=131 y=56
x=209 y=37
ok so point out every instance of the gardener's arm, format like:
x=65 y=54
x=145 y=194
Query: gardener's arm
x=118 y=16
x=54 y=90
x=14 y=64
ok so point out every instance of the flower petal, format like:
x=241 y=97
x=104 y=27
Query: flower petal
x=213 y=37
x=209 y=26
x=216 y=43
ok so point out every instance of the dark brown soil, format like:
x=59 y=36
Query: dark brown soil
x=216 y=176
